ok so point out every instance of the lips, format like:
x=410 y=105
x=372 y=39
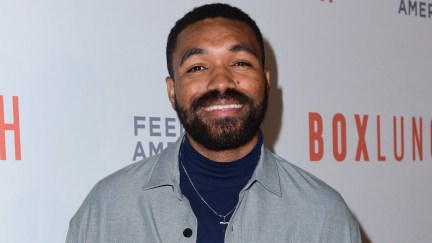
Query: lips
x=223 y=107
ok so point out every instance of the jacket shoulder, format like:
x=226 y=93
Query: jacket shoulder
x=108 y=198
x=316 y=204
x=295 y=181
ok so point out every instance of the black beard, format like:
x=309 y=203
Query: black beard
x=227 y=132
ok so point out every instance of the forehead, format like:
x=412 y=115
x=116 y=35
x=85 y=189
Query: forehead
x=214 y=31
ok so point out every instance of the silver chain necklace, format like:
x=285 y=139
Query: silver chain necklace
x=224 y=223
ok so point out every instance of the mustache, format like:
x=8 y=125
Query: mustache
x=214 y=95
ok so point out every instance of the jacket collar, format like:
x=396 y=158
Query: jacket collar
x=266 y=173
x=166 y=168
x=166 y=171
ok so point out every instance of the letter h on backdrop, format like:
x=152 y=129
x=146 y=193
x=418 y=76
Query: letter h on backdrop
x=14 y=127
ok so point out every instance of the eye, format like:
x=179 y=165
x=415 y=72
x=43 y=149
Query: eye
x=196 y=69
x=242 y=64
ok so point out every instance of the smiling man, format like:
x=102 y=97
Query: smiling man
x=218 y=183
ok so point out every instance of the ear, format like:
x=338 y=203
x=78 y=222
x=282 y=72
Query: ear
x=171 y=90
x=267 y=76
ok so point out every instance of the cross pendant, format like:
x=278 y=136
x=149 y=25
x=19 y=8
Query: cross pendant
x=224 y=224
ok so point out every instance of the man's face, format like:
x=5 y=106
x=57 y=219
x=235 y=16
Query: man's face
x=219 y=88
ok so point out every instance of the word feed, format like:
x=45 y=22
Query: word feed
x=156 y=134
x=339 y=142
x=13 y=127
x=415 y=8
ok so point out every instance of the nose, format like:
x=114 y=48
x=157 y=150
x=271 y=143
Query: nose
x=221 y=79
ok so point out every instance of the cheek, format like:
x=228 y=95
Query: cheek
x=187 y=92
x=252 y=88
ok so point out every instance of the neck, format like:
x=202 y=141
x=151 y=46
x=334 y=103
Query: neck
x=228 y=155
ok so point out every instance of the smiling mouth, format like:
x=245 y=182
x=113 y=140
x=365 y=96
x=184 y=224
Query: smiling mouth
x=223 y=107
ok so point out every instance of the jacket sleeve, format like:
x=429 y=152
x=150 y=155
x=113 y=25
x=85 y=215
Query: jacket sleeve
x=84 y=224
x=340 y=225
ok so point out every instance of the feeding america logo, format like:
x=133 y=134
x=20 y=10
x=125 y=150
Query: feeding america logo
x=154 y=134
x=415 y=8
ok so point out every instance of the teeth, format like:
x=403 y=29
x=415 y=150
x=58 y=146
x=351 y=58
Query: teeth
x=221 y=107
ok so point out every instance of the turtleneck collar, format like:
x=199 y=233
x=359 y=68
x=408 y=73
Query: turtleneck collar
x=209 y=173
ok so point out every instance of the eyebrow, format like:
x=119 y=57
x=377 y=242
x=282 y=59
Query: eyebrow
x=192 y=52
x=242 y=47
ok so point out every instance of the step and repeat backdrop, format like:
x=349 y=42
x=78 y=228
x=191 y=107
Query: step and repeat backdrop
x=82 y=94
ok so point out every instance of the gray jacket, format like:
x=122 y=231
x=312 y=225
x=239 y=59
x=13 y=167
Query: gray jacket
x=143 y=203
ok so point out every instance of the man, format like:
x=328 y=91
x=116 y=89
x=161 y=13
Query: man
x=218 y=183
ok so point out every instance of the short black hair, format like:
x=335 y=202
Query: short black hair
x=210 y=11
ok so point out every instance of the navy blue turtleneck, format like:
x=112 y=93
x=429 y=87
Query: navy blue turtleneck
x=218 y=183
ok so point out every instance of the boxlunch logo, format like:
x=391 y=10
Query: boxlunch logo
x=415 y=8
x=155 y=134
x=13 y=127
x=420 y=139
